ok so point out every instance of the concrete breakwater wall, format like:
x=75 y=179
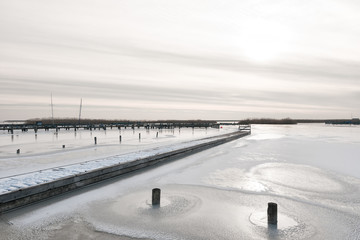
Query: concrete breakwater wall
x=30 y=194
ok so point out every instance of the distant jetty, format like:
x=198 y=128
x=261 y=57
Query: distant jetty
x=93 y=124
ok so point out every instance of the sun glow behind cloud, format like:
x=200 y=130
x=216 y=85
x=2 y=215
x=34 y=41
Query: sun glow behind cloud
x=263 y=41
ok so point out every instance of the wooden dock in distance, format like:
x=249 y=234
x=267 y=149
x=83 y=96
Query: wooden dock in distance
x=36 y=126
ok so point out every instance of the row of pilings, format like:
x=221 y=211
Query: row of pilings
x=272 y=210
x=36 y=127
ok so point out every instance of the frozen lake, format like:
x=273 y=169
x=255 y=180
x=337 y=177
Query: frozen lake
x=310 y=170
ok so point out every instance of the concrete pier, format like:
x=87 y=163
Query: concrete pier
x=27 y=195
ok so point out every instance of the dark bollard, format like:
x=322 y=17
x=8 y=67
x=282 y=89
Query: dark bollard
x=156 y=197
x=157 y=134
x=18 y=151
x=139 y=136
x=95 y=140
x=120 y=138
x=63 y=146
x=272 y=213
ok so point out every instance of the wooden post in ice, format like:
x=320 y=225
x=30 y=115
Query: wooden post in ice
x=157 y=134
x=18 y=151
x=139 y=136
x=156 y=197
x=63 y=146
x=272 y=213
x=120 y=138
x=95 y=140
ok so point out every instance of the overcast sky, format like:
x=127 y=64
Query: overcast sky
x=180 y=59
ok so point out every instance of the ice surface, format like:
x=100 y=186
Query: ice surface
x=311 y=172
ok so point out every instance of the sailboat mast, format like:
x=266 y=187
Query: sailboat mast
x=80 y=110
x=52 y=110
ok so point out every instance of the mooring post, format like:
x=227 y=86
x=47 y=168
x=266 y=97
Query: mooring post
x=156 y=192
x=139 y=136
x=95 y=140
x=157 y=134
x=18 y=151
x=120 y=138
x=63 y=146
x=272 y=213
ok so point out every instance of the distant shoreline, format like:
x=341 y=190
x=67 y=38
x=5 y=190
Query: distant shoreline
x=354 y=121
x=286 y=121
